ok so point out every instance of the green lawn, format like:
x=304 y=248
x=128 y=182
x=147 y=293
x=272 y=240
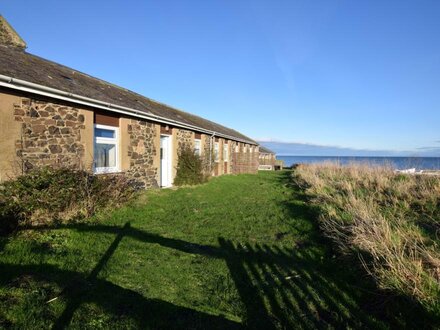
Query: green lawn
x=237 y=251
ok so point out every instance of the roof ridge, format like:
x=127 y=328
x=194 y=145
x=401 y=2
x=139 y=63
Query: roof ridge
x=123 y=88
x=33 y=69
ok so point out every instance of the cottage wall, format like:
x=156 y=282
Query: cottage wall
x=206 y=150
x=50 y=134
x=180 y=138
x=10 y=132
x=141 y=152
x=37 y=132
x=184 y=138
x=243 y=160
x=267 y=159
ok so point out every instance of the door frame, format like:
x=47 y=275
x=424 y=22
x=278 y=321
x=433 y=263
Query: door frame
x=166 y=139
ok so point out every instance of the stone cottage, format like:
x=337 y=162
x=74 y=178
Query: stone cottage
x=52 y=115
x=267 y=159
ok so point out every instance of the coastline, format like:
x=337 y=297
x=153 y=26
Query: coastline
x=397 y=163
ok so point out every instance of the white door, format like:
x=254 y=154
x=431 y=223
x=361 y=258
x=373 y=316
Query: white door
x=165 y=161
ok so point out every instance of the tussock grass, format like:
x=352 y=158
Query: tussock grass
x=391 y=221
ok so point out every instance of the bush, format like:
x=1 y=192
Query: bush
x=390 y=221
x=190 y=168
x=46 y=195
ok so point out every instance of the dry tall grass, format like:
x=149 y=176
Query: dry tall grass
x=391 y=221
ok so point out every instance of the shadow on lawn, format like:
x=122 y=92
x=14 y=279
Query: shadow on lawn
x=279 y=287
x=118 y=301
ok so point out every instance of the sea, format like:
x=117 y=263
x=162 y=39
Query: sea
x=398 y=163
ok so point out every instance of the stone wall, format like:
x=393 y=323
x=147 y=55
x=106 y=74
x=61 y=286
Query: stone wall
x=227 y=168
x=206 y=148
x=244 y=161
x=184 y=138
x=205 y=153
x=50 y=134
x=142 y=152
x=267 y=159
x=255 y=160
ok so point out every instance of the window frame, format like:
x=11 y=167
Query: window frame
x=198 y=151
x=103 y=140
x=216 y=152
x=225 y=152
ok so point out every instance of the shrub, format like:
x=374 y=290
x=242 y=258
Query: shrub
x=46 y=194
x=390 y=221
x=190 y=168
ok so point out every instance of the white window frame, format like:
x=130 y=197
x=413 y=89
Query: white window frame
x=199 y=150
x=115 y=141
x=225 y=152
x=216 y=152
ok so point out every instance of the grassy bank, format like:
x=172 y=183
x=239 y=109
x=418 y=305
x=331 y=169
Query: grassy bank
x=390 y=221
x=237 y=251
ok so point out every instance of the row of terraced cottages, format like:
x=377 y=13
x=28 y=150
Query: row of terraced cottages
x=52 y=115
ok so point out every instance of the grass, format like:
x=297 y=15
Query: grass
x=239 y=251
x=391 y=221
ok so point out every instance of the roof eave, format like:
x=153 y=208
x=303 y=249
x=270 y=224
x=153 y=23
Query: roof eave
x=26 y=86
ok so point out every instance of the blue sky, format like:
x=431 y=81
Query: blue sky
x=352 y=74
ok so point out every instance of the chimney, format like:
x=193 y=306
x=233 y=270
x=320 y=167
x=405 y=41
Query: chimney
x=9 y=37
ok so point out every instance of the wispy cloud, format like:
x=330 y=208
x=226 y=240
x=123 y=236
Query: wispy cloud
x=276 y=140
x=426 y=148
x=310 y=149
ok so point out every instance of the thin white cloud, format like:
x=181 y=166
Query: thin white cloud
x=304 y=149
x=262 y=140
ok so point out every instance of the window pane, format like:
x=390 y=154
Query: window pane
x=105 y=155
x=104 y=133
x=216 y=151
x=197 y=148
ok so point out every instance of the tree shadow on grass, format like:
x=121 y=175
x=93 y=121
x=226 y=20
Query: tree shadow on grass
x=120 y=302
x=279 y=287
x=282 y=288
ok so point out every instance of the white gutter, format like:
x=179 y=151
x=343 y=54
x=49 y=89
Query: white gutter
x=25 y=86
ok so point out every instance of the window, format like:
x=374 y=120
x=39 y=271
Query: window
x=216 y=152
x=225 y=152
x=106 y=149
x=198 y=147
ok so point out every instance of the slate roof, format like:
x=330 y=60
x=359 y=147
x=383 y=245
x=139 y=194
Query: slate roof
x=265 y=150
x=19 y=64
